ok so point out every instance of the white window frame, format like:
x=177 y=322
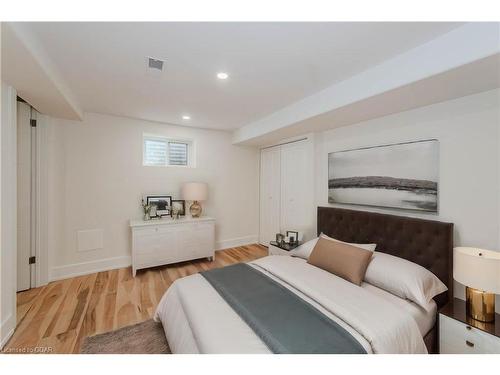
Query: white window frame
x=191 y=154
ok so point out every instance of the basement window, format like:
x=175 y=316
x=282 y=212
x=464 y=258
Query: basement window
x=167 y=152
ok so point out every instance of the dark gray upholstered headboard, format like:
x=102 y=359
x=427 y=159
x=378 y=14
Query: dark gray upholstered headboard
x=425 y=242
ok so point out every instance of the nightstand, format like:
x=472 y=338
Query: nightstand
x=459 y=334
x=276 y=249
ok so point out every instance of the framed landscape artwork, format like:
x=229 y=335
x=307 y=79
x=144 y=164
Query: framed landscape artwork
x=403 y=175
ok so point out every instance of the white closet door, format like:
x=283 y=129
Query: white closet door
x=24 y=203
x=296 y=187
x=269 y=195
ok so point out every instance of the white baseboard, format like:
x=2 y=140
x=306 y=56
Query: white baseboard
x=85 y=268
x=7 y=330
x=234 y=242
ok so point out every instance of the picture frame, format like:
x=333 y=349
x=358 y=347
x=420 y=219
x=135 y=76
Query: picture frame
x=163 y=204
x=179 y=204
x=292 y=235
x=401 y=175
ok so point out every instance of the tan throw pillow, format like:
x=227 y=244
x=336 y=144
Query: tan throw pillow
x=346 y=261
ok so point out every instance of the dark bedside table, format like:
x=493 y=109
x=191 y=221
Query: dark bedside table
x=281 y=249
x=460 y=334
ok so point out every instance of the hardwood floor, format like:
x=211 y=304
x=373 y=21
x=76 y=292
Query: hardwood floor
x=56 y=317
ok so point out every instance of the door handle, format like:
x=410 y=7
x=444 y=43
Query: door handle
x=469 y=344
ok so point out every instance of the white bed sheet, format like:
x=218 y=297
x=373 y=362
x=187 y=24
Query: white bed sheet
x=196 y=318
x=424 y=319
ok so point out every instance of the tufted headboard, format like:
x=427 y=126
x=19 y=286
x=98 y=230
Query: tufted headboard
x=425 y=242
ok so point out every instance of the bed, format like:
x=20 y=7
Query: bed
x=197 y=319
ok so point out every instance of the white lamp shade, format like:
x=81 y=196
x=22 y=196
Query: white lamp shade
x=477 y=268
x=195 y=191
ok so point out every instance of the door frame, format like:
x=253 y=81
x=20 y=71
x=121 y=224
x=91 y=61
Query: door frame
x=41 y=202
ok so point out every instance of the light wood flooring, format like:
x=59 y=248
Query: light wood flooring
x=56 y=317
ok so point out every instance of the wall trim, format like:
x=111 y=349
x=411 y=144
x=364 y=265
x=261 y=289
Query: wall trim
x=234 y=242
x=85 y=268
x=9 y=325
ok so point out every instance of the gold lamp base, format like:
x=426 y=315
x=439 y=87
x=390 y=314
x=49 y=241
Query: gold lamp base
x=195 y=209
x=480 y=305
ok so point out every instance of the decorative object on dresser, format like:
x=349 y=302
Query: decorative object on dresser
x=163 y=204
x=403 y=175
x=479 y=271
x=156 y=243
x=461 y=334
x=196 y=192
x=178 y=207
x=146 y=210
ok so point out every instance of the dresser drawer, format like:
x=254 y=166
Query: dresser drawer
x=458 y=338
x=153 y=230
x=197 y=241
x=155 y=242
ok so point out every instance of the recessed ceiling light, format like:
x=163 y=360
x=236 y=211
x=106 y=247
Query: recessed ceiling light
x=186 y=117
x=222 y=75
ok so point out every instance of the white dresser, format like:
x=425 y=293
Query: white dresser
x=165 y=241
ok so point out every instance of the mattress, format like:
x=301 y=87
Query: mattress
x=197 y=319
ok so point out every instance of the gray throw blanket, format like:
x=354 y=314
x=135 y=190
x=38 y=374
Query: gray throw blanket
x=283 y=321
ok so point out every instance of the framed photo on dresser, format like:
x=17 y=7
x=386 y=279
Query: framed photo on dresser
x=163 y=204
x=179 y=205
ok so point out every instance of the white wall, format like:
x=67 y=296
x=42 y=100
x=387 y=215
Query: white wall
x=8 y=207
x=468 y=132
x=96 y=181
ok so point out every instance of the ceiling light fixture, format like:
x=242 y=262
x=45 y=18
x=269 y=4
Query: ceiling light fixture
x=186 y=117
x=222 y=75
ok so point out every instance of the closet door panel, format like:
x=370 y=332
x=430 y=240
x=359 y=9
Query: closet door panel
x=296 y=187
x=270 y=186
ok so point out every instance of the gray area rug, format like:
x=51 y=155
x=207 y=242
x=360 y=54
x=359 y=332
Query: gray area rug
x=143 y=338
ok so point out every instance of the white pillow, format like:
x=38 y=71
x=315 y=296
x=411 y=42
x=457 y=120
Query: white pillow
x=304 y=250
x=404 y=279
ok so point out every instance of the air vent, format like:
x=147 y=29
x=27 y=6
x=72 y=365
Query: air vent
x=155 y=64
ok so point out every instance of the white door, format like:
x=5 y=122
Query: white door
x=269 y=194
x=297 y=188
x=24 y=197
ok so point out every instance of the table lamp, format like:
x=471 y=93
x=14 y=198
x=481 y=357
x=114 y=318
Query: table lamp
x=196 y=192
x=479 y=271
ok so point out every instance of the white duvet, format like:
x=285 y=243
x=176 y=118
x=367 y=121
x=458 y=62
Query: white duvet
x=197 y=319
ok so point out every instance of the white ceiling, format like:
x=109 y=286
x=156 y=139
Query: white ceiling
x=271 y=65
